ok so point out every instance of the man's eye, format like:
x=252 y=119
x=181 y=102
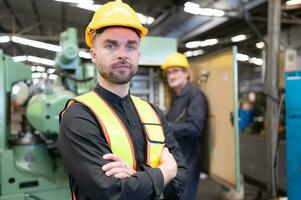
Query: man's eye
x=132 y=47
x=109 y=46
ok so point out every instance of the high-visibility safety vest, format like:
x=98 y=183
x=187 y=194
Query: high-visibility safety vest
x=117 y=135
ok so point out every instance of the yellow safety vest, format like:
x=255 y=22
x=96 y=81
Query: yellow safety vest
x=116 y=133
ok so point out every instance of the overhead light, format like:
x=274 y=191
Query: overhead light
x=84 y=54
x=195 y=44
x=37 y=44
x=260 y=45
x=76 y=1
x=194 y=53
x=19 y=58
x=242 y=57
x=239 y=38
x=145 y=19
x=4 y=39
x=256 y=61
x=293 y=2
x=41 y=60
x=51 y=70
x=40 y=69
x=35 y=60
x=188 y=53
x=209 y=42
x=53 y=76
x=38 y=75
x=88 y=6
x=93 y=7
x=195 y=9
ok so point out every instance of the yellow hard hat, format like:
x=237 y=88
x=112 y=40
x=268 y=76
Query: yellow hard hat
x=115 y=13
x=175 y=59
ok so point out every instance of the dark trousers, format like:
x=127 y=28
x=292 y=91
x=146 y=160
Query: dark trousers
x=191 y=187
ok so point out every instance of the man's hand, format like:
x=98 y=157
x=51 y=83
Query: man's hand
x=117 y=167
x=168 y=166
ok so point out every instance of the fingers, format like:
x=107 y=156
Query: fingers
x=115 y=164
x=117 y=167
x=110 y=156
x=115 y=171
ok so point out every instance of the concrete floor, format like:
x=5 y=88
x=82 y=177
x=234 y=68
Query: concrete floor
x=209 y=190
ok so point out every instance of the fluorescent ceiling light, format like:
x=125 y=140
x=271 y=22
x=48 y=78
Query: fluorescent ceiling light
x=40 y=60
x=35 y=60
x=195 y=9
x=93 y=7
x=19 y=58
x=84 y=54
x=256 y=61
x=194 y=53
x=188 y=53
x=195 y=44
x=39 y=75
x=37 y=44
x=77 y=1
x=4 y=39
x=209 y=42
x=145 y=19
x=239 y=38
x=293 y=2
x=51 y=70
x=260 y=45
x=53 y=76
x=242 y=57
x=40 y=69
x=88 y=6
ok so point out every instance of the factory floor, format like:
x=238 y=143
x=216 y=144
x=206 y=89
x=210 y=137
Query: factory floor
x=209 y=190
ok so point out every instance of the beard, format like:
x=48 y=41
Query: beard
x=119 y=77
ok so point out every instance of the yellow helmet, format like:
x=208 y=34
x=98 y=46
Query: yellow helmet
x=175 y=59
x=114 y=13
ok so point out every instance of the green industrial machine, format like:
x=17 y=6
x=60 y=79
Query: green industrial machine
x=30 y=165
x=74 y=79
x=30 y=168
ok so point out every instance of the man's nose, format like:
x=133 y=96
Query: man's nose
x=170 y=75
x=122 y=53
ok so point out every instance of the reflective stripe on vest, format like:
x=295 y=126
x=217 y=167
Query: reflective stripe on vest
x=153 y=129
x=117 y=135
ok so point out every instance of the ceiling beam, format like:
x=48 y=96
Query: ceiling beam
x=28 y=29
x=8 y=6
x=38 y=17
x=63 y=20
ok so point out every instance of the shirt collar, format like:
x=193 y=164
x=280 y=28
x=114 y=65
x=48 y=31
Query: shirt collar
x=185 y=89
x=110 y=96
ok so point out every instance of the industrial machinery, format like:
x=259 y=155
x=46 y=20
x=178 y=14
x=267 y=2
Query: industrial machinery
x=31 y=167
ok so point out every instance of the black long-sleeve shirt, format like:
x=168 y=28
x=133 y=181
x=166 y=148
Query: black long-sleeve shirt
x=82 y=144
x=187 y=116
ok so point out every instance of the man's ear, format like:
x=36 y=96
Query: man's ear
x=93 y=55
